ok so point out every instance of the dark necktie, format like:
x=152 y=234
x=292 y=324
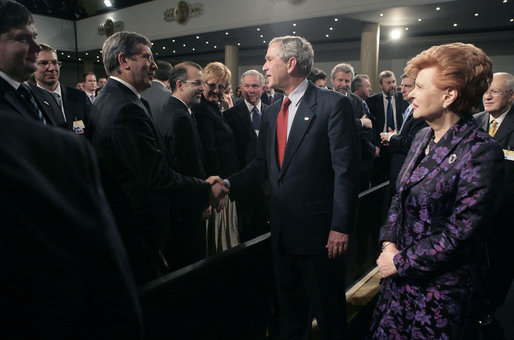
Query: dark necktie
x=270 y=99
x=256 y=118
x=59 y=103
x=282 y=130
x=24 y=92
x=390 y=118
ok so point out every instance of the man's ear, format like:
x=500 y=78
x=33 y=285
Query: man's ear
x=122 y=60
x=291 y=64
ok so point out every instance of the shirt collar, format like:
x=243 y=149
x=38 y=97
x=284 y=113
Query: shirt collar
x=187 y=107
x=298 y=92
x=11 y=81
x=57 y=89
x=132 y=88
x=250 y=105
x=500 y=119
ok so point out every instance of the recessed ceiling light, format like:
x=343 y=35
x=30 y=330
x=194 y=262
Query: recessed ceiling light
x=226 y=33
x=476 y=14
x=438 y=8
x=87 y=53
x=505 y=1
x=164 y=47
x=294 y=25
x=455 y=25
x=331 y=28
x=419 y=19
x=173 y=40
x=294 y=32
x=80 y=59
x=193 y=48
x=406 y=28
x=197 y=37
x=258 y=29
x=264 y=41
x=206 y=43
x=395 y=34
x=107 y=3
x=62 y=53
x=214 y=46
x=69 y=56
x=238 y=44
x=152 y=44
x=512 y=20
x=335 y=19
x=156 y=53
x=173 y=51
x=184 y=45
x=381 y=14
x=326 y=35
x=262 y=36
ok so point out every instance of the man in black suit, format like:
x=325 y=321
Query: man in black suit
x=18 y=53
x=387 y=107
x=498 y=119
x=177 y=125
x=245 y=121
x=71 y=105
x=341 y=76
x=399 y=142
x=136 y=172
x=159 y=94
x=64 y=271
x=308 y=149
x=269 y=96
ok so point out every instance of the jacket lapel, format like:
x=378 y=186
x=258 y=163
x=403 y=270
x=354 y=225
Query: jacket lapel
x=303 y=118
x=506 y=127
x=272 y=114
x=419 y=152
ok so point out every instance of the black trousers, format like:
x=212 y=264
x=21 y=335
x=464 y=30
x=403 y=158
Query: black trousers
x=310 y=286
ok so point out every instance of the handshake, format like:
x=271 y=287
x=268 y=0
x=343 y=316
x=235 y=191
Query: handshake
x=219 y=189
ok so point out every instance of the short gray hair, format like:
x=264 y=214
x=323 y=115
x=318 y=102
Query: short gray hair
x=121 y=42
x=252 y=73
x=296 y=47
x=509 y=79
x=343 y=67
x=385 y=74
x=357 y=81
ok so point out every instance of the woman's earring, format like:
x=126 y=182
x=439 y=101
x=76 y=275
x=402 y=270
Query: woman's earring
x=445 y=107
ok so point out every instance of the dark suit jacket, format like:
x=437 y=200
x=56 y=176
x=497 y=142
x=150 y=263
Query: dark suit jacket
x=400 y=145
x=12 y=103
x=64 y=272
x=276 y=97
x=77 y=106
x=157 y=96
x=184 y=149
x=366 y=135
x=376 y=108
x=219 y=146
x=316 y=189
x=137 y=174
x=238 y=117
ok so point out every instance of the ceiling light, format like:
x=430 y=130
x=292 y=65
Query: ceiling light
x=87 y=53
x=69 y=56
x=505 y=1
x=294 y=25
x=173 y=51
x=294 y=32
x=206 y=43
x=512 y=20
x=107 y=3
x=258 y=29
x=395 y=34
x=80 y=59
x=476 y=14
x=262 y=36
x=455 y=25
x=62 y=53
x=226 y=33
x=238 y=44
x=156 y=53
x=152 y=44
x=381 y=14
x=331 y=28
x=184 y=45
x=193 y=48
x=438 y=8
x=419 y=19
x=406 y=28
x=164 y=47
x=173 y=40
x=335 y=19
x=264 y=41
x=214 y=46
x=326 y=35
x=197 y=37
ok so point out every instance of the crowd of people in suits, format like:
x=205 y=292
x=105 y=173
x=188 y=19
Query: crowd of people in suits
x=170 y=167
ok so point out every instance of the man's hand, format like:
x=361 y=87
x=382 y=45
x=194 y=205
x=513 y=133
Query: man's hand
x=218 y=188
x=366 y=122
x=386 y=136
x=377 y=151
x=206 y=214
x=337 y=244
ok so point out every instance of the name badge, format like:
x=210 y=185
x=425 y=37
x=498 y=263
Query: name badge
x=78 y=127
x=509 y=154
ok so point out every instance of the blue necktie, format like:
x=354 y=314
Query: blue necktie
x=256 y=118
x=24 y=92
x=390 y=118
x=406 y=115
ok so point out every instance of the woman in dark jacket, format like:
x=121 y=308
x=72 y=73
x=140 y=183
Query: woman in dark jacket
x=433 y=242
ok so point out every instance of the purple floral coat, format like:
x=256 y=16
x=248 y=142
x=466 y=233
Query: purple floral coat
x=437 y=221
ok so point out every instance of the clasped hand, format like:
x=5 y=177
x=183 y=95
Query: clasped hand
x=385 y=261
x=218 y=189
x=386 y=136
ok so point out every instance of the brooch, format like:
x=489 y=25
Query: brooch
x=452 y=159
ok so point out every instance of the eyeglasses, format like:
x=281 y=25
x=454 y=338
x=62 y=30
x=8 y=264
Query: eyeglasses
x=213 y=86
x=147 y=57
x=494 y=92
x=45 y=63
x=194 y=82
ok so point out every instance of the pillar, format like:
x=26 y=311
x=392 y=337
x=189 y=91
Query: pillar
x=232 y=62
x=370 y=43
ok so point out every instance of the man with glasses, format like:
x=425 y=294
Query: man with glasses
x=498 y=119
x=177 y=125
x=70 y=104
x=138 y=179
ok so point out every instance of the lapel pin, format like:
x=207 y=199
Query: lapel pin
x=306 y=118
x=46 y=103
x=452 y=159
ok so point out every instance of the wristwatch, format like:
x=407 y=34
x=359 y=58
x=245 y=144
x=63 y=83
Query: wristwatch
x=385 y=244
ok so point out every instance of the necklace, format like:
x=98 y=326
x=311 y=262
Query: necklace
x=430 y=145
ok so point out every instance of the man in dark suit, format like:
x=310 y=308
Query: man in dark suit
x=308 y=149
x=177 y=125
x=399 y=142
x=245 y=121
x=159 y=94
x=53 y=212
x=387 y=107
x=498 y=119
x=136 y=172
x=71 y=105
x=269 y=96
x=341 y=76
x=18 y=53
